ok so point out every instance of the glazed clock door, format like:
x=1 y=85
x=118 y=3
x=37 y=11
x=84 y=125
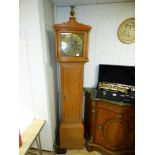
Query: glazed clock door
x=71 y=44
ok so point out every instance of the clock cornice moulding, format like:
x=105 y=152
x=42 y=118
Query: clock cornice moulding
x=73 y=25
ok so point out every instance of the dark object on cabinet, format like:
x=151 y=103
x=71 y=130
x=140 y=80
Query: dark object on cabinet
x=109 y=125
x=117 y=74
x=116 y=96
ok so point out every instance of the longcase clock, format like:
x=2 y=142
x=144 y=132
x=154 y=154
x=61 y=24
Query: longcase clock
x=71 y=54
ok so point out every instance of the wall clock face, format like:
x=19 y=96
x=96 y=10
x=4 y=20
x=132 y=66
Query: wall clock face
x=126 y=31
x=72 y=44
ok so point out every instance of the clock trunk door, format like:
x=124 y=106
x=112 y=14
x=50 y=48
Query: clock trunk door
x=71 y=84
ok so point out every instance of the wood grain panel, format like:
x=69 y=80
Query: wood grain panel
x=72 y=84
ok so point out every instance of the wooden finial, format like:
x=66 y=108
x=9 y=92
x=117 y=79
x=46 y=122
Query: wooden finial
x=72 y=13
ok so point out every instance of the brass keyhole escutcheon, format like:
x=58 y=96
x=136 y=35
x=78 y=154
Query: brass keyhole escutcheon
x=99 y=127
x=119 y=116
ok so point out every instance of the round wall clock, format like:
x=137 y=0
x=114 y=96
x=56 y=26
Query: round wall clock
x=126 y=31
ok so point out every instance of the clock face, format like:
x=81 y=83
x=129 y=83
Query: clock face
x=72 y=44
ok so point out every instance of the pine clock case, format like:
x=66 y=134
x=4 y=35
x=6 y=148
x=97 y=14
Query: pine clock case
x=71 y=77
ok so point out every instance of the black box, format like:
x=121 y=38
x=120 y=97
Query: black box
x=115 y=96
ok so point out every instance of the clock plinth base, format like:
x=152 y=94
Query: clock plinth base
x=72 y=136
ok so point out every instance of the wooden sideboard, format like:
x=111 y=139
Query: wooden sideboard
x=109 y=125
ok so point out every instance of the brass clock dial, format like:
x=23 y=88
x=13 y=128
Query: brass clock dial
x=72 y=44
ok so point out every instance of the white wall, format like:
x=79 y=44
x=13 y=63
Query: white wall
x=50 y=62
x=26 y=106
x=104 y=45
x=36 y=72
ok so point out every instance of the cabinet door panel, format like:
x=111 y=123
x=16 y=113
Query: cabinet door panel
x=102 y=116
x=112 y=130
